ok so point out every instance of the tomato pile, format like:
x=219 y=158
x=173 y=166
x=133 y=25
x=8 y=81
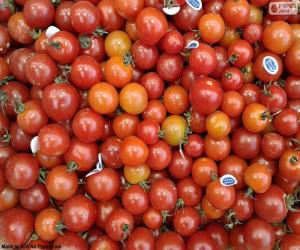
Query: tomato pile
x=149 y=124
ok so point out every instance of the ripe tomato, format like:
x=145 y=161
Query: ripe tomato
x=255 y=117
x=217 y=150
x=203 y=60
x=129 y=9
x=169 y=67
x=194 y=146
x=104 y=185
x=189 y=192
x=236 y=13
x=203 y=170
x=176 y=100
x=155 y=110
x=186 y=221
x=163 y=194
x=9 y=198
x=258 y=177
x=104 y=241
x=206 y=95
x=135 y=200
x=201 y=240
x=45 y=224
x=217 y=125
x=243 y=206
x=286 y=122
x=232 y=104
x=274 y=98
x=240 y=53
x=218 y=234
x=151 y=25
x=289 y=164
x=119 y=224
x=141 y=237
x=169 y=240
x=181 y=165
x=211 y=27
x=160 y=155
x=70 y=240
x=117 y=43
x=16 y=218
x=221 y=197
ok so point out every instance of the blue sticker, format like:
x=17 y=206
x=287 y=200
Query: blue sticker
x=270 y=65
x=195 y=4
x=228 y=180
x=192 y=45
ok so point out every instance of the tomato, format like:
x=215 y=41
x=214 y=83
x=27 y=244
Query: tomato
x=203 y=60
x=141 y=237
x=125 y=125
x=35 y=198
x=272 y=145
x=70 y=240
x=119 y=224
x=274 y=97
x=286 y=122
x=169 y=240
x=259 y=234
x=135 y=200
x=110 y=152
x=159 y=155
x=232 y=104
x=104 y=241
x=85 y=17
x=181 y=165
x=217 y=233
x=60 y=101
x=231 y=35
x=201 y=239
x=46 y=222
x=214 y=6
x=255 y=117
x=16 y=218
x=260 y=70
x=287 y=185
x=9 y=198
x=118 y=71
x=235 y=166
x=206 y=96
x=49 y=162
x=61 y=183
x=221 y=197
x=189 y=192
x=155 y=110
x=218 y=125
x=203 y=170
x=133 y=98
x=172 y=42
x=243 y=139
x=21 y=170
x=5 y=41
x=292 y=87
x=117 y=43
x=211 y=27
x=153 y=84
x=129 y=9
x=258 y=177
x=232 y=79
x=253 y=33
x=18 y=139
x=289 y=164
x=270 y=206
x=236 y=13
x=293 y=221
x=240 y=53
x=104 y=185
x=174 y=130
x=278 y=37
x=186 y=221
x=63 y=16
x=176 y=100
x=163 y=194
x=290 y=241
x=250 y=92
x=19 y=30
x=63 y=47
x=217 y=150
x=148 y=131
x=85 y=72
x=169 y=67
x=151 y=25
x=194 y=146
x=152 y=218
x=243 y=207
x=39 y=14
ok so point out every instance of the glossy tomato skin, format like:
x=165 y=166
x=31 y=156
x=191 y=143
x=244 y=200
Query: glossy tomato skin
x=70 y=240
x=22 y=170
x=104 y=185
x=292 y=87
x=181 y=165
x=170 y=240
x=289 y=164
x=186 y=221
x=218 y=234
x=206 y=96
x=158 y=197
x=270 y=206
x=201 y=239
x=290 y=241
x=56 y=94
x=141 y=237
x=135 y=200
x=9 y=198
x=272 y=145
x=115 y=224
x=274 y=98
x=203 y=60
x=286 y=123
x=263 y=240
x=169 y=67
x=159 y=155
x=18 y=139
x=63 y=16
x=79 y=213
x=16 y=218
x=110 y=152
x=157 y=21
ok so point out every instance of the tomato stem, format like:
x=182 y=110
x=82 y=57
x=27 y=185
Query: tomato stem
x=84 y=235
x=144 y=185
x=128 y=59
x=55 y=2
x=55 y=44
x=266 y=90
x=179 y=204
x=72 y=166
x=232 y=59
x=85 y=41
x=266 y=115
x=5 y=138
x=42 y=175
x=125 y=229
x=290 y=201
x=18 y=106
x=99 y=32
x=293 y=160
x=6 y=79
x=59 y=227
x=34 y=236
x=228 y=75
x=36 y=33
x=249 y=193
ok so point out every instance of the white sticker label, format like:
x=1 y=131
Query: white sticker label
x=51 y=31
x=99 y=167
x=172 y=10
x=270 y=65
x=228 y=180
x=192 y=45
x=34 y=144
x=195 y=4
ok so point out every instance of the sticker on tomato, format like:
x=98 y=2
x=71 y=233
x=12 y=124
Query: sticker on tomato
x=51 y=31
x=34 y=144
x=228 y=180
x=192 y=44
x=171 y=11
x=195 y=4
x=270 y=65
